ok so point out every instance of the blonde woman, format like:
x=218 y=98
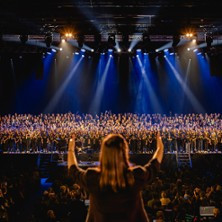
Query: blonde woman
x=115 y=187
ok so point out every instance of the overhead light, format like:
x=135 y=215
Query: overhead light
x=189 y=34
x=68 y=35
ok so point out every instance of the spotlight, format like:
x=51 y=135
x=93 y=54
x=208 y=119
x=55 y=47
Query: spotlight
x=188 y=49
x=189 y=35
x=63 y=40
x=92 y=50
x=23 y=38
x=60 y=49
x=110 y=50
x=129 y=50
x=48 y=39
x=68 y=35
x=118 y=50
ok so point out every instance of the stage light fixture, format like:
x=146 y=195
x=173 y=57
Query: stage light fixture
x=189 y=34
x=63 y=40
x=68 y=35
x=23 y=38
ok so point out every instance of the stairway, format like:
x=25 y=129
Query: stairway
x=183 y=159
x=44 y=164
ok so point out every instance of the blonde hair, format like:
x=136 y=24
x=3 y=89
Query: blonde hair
x=114 y=163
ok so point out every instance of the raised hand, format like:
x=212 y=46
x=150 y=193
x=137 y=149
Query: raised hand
x=71 y=146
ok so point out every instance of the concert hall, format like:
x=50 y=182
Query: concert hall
x=110 y=111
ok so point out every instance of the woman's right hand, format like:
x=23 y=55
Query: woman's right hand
x=72 y=143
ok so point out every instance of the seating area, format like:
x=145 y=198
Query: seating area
x=174 y=195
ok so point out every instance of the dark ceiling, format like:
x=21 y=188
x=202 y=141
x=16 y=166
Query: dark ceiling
x=120 y=16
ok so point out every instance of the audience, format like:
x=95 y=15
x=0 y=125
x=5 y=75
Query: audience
x=172 y=196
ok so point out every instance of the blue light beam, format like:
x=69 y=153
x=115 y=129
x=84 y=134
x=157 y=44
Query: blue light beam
x=195 y=103
x=52 y=104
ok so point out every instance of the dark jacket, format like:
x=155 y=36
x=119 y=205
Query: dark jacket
x=125 y=205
